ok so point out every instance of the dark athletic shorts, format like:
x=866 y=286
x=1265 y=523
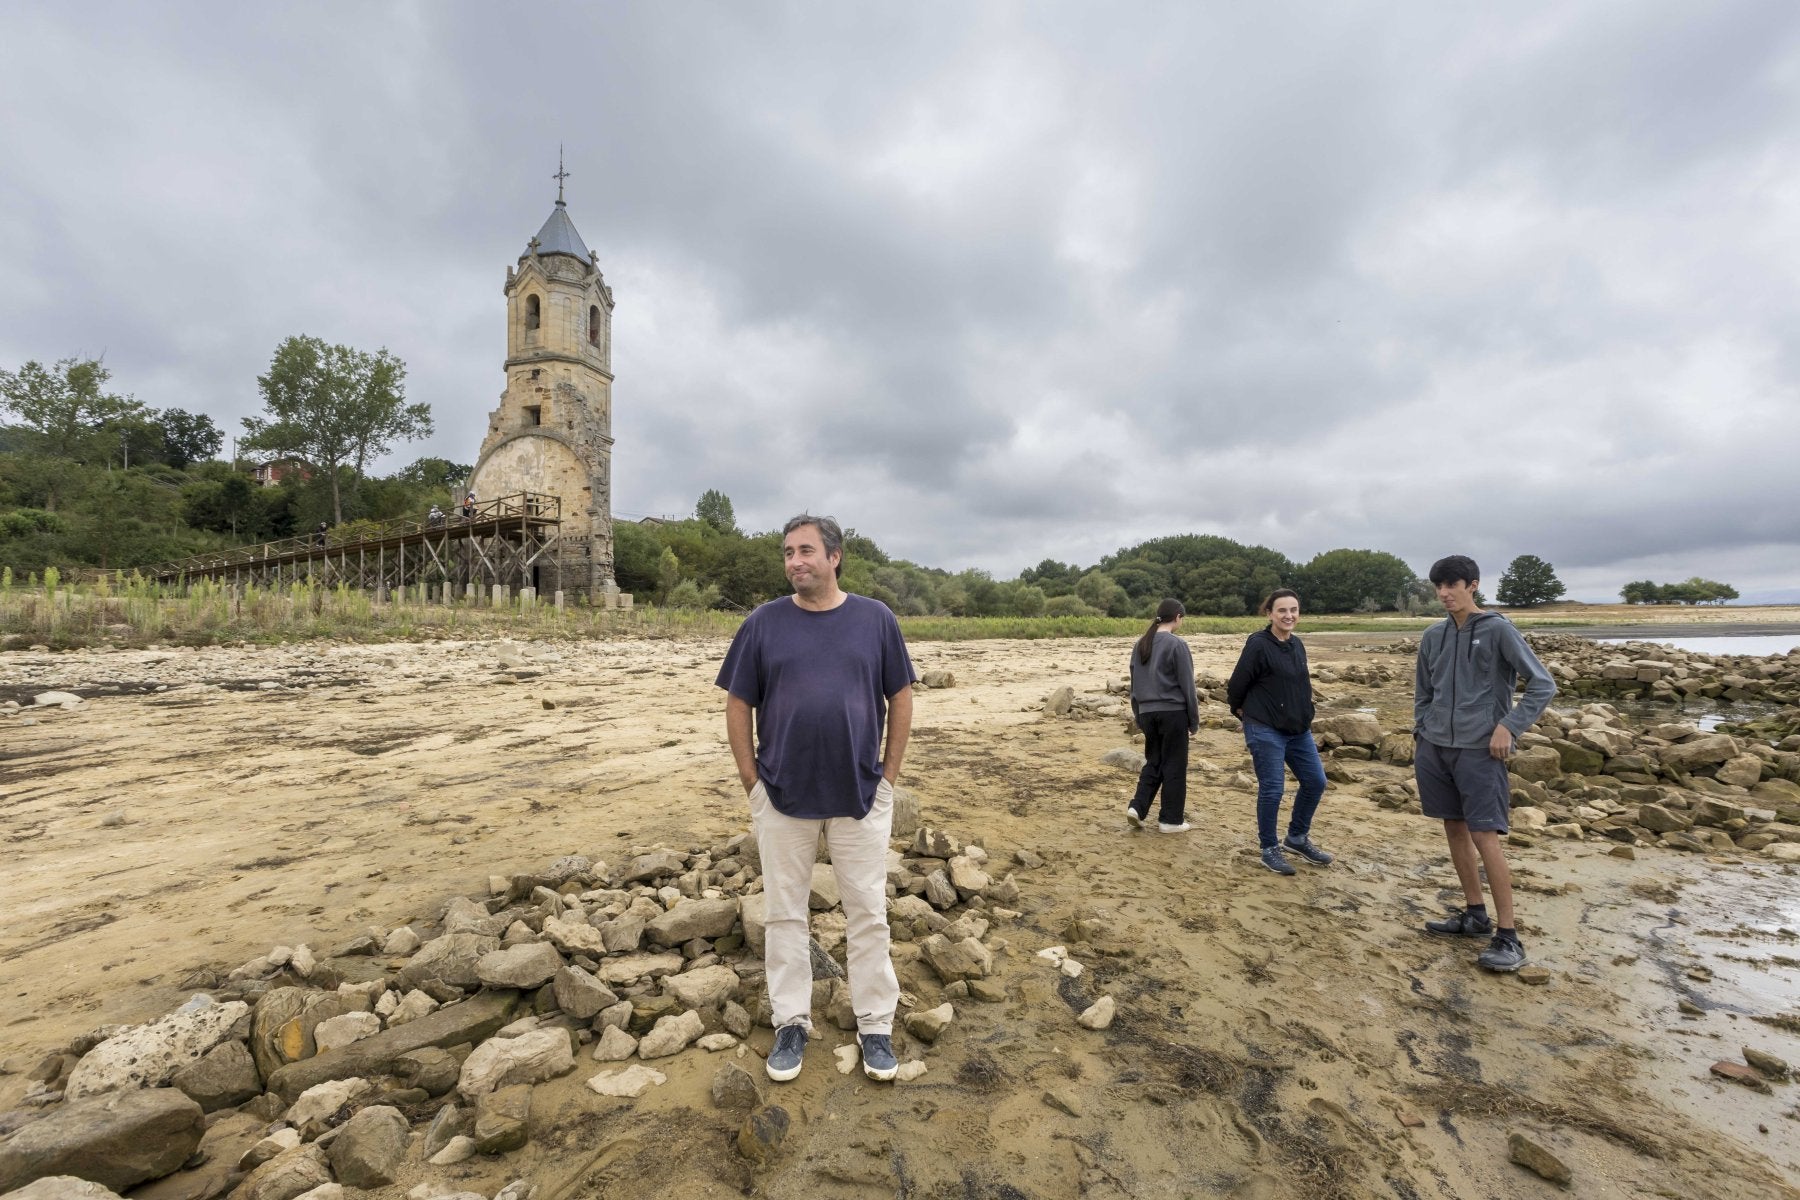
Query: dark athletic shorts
x=1463 y=785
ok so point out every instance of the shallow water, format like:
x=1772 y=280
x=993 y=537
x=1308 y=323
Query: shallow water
x=1757 y=644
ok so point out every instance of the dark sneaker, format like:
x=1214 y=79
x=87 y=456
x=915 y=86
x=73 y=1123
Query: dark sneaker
x=878 y=1056
x=1462 y=923
x=1272 y=858
x=790 y=1050
x=1132 y=818
x=1503 y=954
x=1305 y=849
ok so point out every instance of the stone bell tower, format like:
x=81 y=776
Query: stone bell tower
x=553 y=430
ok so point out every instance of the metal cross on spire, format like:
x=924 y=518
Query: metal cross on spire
x=560 y=173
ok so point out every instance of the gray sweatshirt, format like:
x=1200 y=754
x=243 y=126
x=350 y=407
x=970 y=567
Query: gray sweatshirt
x=1166 y=682
x=1463 y=686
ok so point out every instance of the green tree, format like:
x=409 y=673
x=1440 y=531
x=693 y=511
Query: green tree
x=1098 y=590
x=67 y=412
x=1529 y=580
x=635 y=554
x=714 y=508
x=668 y=574
x=188 y=438
x=1341 y=580
x=749 y=571
x=1641 y=591
x=434 y=473
x=334 y=407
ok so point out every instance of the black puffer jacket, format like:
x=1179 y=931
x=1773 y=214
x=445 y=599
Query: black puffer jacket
x=1271 y=684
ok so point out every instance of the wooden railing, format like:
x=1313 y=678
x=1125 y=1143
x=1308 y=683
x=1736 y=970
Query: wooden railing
x=487 y=516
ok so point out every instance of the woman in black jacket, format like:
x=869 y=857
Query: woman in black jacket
x=1271 y=693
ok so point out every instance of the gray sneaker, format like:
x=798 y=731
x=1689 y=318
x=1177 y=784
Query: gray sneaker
x=1503 y=954
x=1303 y=846
x=789 y=1054
x=1462 y=923
x=1272 y=858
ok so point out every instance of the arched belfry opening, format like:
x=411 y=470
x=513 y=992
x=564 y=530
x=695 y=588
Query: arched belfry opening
x=552 y=432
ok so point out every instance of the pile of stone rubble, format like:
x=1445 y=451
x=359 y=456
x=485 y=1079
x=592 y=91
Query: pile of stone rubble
x=408 y=1050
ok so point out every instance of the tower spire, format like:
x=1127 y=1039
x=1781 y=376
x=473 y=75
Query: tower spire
x=560 y=174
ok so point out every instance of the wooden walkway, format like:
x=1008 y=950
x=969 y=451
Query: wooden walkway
x=500 y=544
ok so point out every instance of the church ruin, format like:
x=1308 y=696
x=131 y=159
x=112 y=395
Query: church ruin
x=553 y=430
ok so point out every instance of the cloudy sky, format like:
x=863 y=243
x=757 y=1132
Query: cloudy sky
x=990 y=282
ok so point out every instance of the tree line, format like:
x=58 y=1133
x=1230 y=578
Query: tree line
x=89 y=476
x=93 y=477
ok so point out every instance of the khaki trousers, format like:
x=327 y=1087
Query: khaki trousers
x=789 y=846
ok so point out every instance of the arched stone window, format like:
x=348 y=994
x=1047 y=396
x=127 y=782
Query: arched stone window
x=594 y=324
x=532 y=315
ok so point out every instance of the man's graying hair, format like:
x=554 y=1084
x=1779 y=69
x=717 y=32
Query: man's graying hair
x=831 y=534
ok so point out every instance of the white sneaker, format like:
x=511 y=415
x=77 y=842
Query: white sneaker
x=1132 y=818
x=1181 y=828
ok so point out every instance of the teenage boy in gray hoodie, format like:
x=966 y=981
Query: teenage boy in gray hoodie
x=1464 y=726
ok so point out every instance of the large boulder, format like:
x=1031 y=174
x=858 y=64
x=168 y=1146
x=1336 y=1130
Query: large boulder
x=147 y=1055
x=693 y=919
x=529 y=1058
x=288 y=1175
x=473 y=1020
x=653 y=865
x=572 y=935
x=1579 y=760
x=64 y=1187
x=1538 y=764
x=1348 y=729
x=579 y=994
x=282 y=1029
x=1658 y=819
x=370 y=1147
x=1602 y=740
x=449 y=959
x=1743 y=771
x=671 y=1035
x=226 y=1076
x=119 y=1139
x=753 y=911
x=530 y=965
x=967 y=959
x=707 y=987
x=1704 y=751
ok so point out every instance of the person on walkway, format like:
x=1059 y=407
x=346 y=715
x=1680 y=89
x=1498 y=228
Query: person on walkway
x=468 y=506
x=820 y=673
x=1166 y=707
x=435 y=516
x=1464 y=728
x=322 y=534
x=1271 y=693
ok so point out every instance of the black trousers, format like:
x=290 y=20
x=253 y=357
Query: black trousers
x=1165 y=765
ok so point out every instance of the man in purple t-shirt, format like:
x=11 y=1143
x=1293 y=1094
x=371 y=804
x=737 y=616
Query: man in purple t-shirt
x=819 y=673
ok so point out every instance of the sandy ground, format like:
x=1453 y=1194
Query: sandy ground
x=1277 y=1037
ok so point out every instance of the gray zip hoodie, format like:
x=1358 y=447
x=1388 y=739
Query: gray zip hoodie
x=1463 y=686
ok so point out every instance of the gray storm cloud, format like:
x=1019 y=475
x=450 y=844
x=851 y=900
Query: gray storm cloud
x=994 y=283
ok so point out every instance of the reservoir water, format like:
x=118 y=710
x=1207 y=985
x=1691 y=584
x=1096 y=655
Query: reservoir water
x=1757 y=644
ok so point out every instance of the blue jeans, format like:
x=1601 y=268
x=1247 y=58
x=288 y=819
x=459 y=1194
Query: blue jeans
x=1270 y=749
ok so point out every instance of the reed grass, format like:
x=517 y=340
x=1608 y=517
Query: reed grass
x=134 y=611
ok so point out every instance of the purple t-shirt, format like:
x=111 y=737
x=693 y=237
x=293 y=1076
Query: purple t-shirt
x=819 y=682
